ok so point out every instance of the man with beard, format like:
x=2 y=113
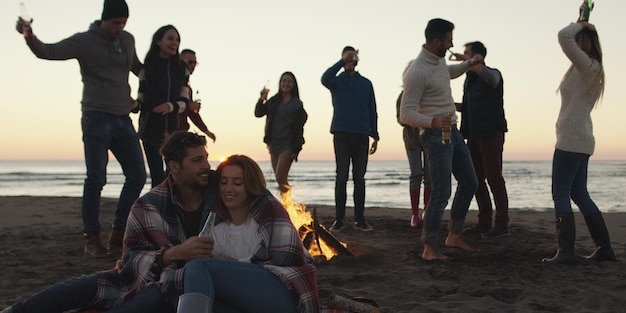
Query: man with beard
x=161 y=236
x=427 y=103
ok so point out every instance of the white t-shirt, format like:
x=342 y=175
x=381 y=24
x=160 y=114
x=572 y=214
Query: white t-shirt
x=239 y=242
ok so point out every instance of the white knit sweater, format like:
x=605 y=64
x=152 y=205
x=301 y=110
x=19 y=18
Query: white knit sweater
x=574 y=129
x=427 y=90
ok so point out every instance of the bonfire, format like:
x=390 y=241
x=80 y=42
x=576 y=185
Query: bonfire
x=316 y=238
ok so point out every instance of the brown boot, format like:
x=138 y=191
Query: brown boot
x=116 y=240
x=94 y=248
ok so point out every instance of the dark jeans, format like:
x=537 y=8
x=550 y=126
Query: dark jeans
x=103 y=132
x=569 y=180
x=350 y=148
x=487 y=158
x=443 y=162
x=80 y=292
x=155 y=162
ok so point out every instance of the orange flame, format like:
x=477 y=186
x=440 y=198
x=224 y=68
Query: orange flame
x=302 y=219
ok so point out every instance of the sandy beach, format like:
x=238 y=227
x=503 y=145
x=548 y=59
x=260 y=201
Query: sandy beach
x=41 y=243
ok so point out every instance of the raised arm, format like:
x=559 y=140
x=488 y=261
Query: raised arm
x=567 y=40
x=328 y=78
x=66 y=49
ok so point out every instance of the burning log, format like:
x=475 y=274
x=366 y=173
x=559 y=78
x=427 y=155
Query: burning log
x=328 y=238
x=314 y=236
x=353 y=305
x=307 y=236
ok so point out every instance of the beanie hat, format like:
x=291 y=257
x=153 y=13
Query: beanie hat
x=113 y=9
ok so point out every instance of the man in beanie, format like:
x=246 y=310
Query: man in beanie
x=106 y=54
x=354 y=120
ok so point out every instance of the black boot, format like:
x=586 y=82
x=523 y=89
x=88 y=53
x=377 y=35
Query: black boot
x=600 y=235
x=566 y=236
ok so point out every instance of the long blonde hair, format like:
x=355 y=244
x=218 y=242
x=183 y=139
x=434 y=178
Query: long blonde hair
x=589 y=42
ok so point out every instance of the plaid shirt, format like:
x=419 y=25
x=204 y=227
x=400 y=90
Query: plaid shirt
x=283 y=253
x=154 y=222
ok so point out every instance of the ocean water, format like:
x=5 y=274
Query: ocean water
x=387 y=183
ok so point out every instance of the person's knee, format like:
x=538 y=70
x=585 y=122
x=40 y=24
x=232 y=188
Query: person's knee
x=137 y=177
x=581 y=198
x=341 y=180
x=194 y=265
x=95 y=180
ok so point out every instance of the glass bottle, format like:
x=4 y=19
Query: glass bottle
x=26 y=18
x=584 y=14
x=207 y=230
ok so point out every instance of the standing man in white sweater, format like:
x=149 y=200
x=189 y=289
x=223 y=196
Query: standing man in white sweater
x=427 y=103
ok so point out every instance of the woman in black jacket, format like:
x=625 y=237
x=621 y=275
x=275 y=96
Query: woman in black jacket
x=284 y=126
x=162 y=96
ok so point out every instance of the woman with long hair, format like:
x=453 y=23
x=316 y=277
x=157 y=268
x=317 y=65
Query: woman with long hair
x=418 y=163
x=163 y=94
x=581 y=89
x=258 y=262
x=284 y=126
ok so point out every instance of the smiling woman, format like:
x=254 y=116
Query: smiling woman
x=163 y=94
x=256 y=247
x=284 y=126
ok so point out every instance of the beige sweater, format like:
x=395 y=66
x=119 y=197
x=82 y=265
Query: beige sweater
x=574 y=129
x=427 y=90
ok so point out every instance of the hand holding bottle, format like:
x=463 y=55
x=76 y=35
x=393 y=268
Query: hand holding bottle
x=585 y=10
x=265 y=91
x=23 y=22
x=196 y=103
x=444 y=122
x=350 y=56
x=207 y=230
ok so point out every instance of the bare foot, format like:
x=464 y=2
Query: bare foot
x=455 y=241
x=431 y=253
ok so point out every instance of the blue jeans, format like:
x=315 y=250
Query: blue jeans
x=103 y=132
x=155 y=162
x=350 y=148
x=238 y=286
x=444 y=160
x=569 y=180
x=80 y=292
x=414 y=150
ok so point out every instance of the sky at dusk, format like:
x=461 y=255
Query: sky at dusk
x=242 y=44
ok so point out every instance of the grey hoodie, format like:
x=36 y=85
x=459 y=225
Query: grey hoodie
x=104 y=66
